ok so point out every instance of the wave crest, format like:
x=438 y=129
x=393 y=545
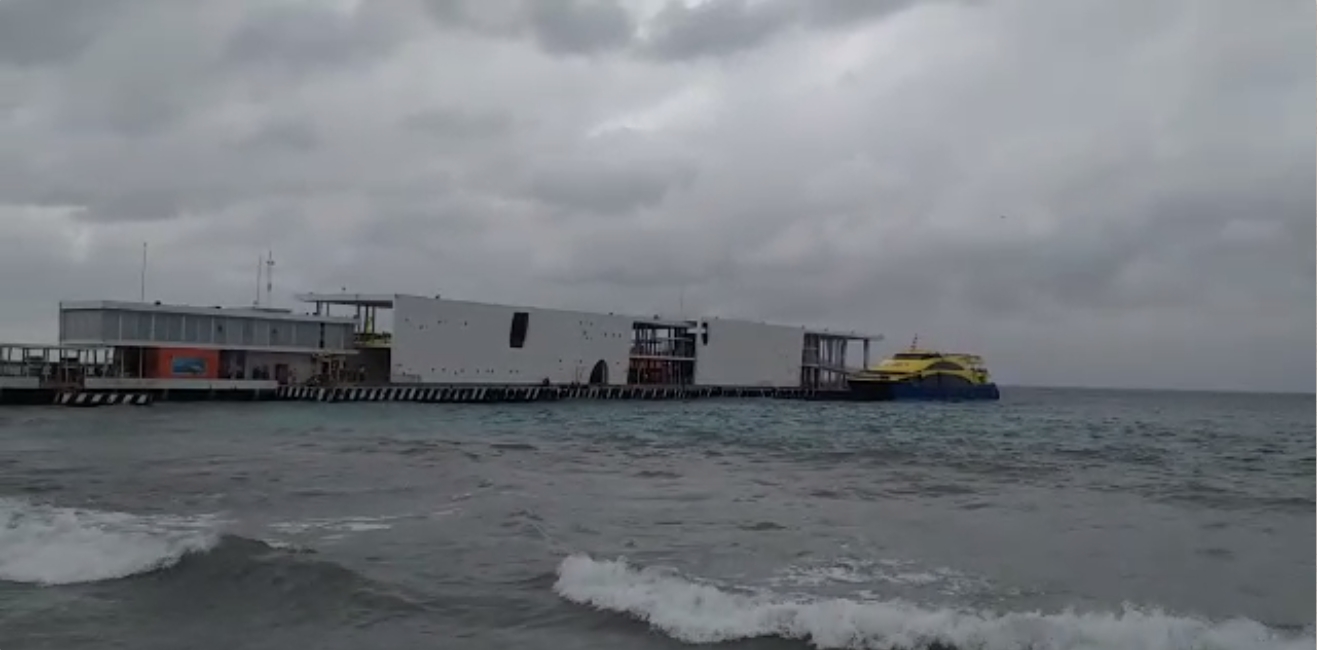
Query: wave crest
x=694 y=612
x=48 y=545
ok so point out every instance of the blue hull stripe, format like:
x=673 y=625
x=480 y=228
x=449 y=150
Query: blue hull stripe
x=884 y=391
x=911 y=392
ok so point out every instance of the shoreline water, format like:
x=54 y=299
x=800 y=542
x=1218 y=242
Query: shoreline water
x=652 y=524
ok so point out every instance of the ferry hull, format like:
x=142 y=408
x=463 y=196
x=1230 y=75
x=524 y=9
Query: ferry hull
x=887 y=391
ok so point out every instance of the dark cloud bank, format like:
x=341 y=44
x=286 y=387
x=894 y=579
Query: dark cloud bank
x=1090 y=192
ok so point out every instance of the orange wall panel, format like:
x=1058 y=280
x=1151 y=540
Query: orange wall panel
x=183 y=363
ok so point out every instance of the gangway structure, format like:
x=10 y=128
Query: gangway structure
x=823 y=363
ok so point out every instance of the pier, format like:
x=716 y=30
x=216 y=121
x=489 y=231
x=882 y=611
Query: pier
x=59 y=374
x=507 y=394
x=409 y=348
x=79 y=397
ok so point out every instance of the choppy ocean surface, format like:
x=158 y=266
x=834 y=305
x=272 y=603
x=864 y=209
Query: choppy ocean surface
x=1055 y=519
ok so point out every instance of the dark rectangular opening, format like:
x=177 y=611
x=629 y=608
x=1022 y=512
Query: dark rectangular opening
x=520 y=321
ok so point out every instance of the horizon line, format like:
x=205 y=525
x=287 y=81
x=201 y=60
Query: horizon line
x=1166 y=389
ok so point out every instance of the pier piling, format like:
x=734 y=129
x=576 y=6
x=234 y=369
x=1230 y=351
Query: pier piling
x=518 y=394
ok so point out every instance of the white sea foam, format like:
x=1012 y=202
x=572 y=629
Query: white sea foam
x=894 y=572
x=692 y=611
x=330 y=528
x=341 y=525
x=47 y=545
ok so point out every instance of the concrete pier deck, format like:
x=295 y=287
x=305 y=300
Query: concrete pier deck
x=449 y=394
x=503 y=394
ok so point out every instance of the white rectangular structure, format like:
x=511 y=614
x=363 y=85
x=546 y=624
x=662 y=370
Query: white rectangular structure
x=132 y=383
x=745 y=353
x=437 y=341
x=133 y=324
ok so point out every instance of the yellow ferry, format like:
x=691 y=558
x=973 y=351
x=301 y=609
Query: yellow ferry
x=924 y=374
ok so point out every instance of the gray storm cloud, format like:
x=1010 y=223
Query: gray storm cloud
x=1089 y=192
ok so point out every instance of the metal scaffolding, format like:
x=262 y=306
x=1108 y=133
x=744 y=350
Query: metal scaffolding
x=59 y=365
x=823 y=360
x=662 y=353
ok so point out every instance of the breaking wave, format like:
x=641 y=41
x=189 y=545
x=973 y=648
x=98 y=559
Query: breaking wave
x=697 y=612
x=48 y=545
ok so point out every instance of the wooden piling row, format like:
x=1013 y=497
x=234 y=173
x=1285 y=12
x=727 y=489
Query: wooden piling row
x=497 y=394
x=506 y=394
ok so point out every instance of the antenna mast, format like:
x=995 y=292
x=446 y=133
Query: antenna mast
x=259 y=269
x=142 y=288
x=269 y=279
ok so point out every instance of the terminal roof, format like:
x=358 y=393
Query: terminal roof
x=379 y=300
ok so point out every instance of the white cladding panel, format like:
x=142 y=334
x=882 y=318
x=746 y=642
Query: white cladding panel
x=742 y=353
x=455 y=342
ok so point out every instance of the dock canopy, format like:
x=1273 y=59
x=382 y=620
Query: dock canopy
x=844 y=335
x=376 y=300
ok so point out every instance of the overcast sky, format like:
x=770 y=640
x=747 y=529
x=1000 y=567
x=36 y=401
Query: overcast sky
x=1089 y=192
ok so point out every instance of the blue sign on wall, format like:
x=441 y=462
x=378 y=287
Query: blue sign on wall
x=188 y=366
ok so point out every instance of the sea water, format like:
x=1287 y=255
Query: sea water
x=1054 y=519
